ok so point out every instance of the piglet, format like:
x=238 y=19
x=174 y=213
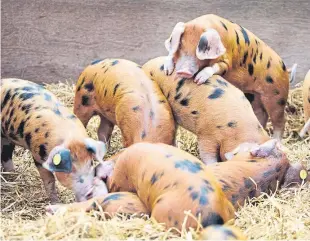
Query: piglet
x=32 y=117
x=121 y=94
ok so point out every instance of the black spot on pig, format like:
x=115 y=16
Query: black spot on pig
x=223 y=24
x=85 y=100
x=237 y=38
x=268 y=64
x=115 y=196
x=178 y=96
x=283 y=66
x=36 y=130
x=245 y=35
x=143 y=134
x=115 y=89
x=281 y=102
x=161 y=68
x=221 y=82
x=203 y=199
x=6 y=99
x=46 y=135
x=89 y=87
x=269 y=79
x=136 y=108
x=189 y=166
x=232 y=124
x=180 y=84
x=251 y=161
x=217 y=93
x=250 y=69
x=105 y=93
x=161 y=101
x=154 y=178
x=194 y=195
x=211 y=219
x=152 y=115
x=184 y=102
x=96 y=61
x=245 y=56
x=114 y=62
x=26 y=96
x=11 y=113
x=261 y=56
x=26 y=108
x=254 y=58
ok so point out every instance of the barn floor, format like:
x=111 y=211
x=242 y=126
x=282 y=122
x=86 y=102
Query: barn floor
x=284 y=215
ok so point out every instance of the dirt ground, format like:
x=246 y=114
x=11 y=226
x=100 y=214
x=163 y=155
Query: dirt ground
x=51 y=41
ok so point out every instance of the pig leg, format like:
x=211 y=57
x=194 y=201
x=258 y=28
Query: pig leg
x=121 y=202
x=208 y=151
x=7 y=149
x=105 y=130
x=48 y=182
x=275 y=111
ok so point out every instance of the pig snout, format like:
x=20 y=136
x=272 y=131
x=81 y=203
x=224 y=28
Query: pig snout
x=186 y=67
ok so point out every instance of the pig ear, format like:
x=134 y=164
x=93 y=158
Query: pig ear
x=210 y=45
x=172 y=43
x=264 y=150
x=59 y=160
x=97 y=148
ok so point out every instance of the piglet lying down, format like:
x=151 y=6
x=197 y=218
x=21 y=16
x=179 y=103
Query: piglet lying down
x=151 y=178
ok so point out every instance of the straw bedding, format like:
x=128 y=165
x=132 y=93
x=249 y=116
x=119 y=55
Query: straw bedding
x=284 y=215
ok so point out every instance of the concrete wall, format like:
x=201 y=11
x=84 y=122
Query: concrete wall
x=54 y=40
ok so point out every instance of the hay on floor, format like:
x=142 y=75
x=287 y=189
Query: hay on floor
x=284 y=215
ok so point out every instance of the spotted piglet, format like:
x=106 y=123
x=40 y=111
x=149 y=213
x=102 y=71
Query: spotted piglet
x=254 y=169
x=211 y=45
x=160 y=175
x=32 y=117
x=217 y=112
x=306 y=101
x=121 y=94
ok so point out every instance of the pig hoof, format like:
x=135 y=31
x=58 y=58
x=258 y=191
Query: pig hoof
x=204 y=75
x=168 y=66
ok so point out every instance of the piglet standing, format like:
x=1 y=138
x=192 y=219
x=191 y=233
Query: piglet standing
x=211 y=45
x=306 y=102
x=32 y=117
x=121 y=94
x=217 y=112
